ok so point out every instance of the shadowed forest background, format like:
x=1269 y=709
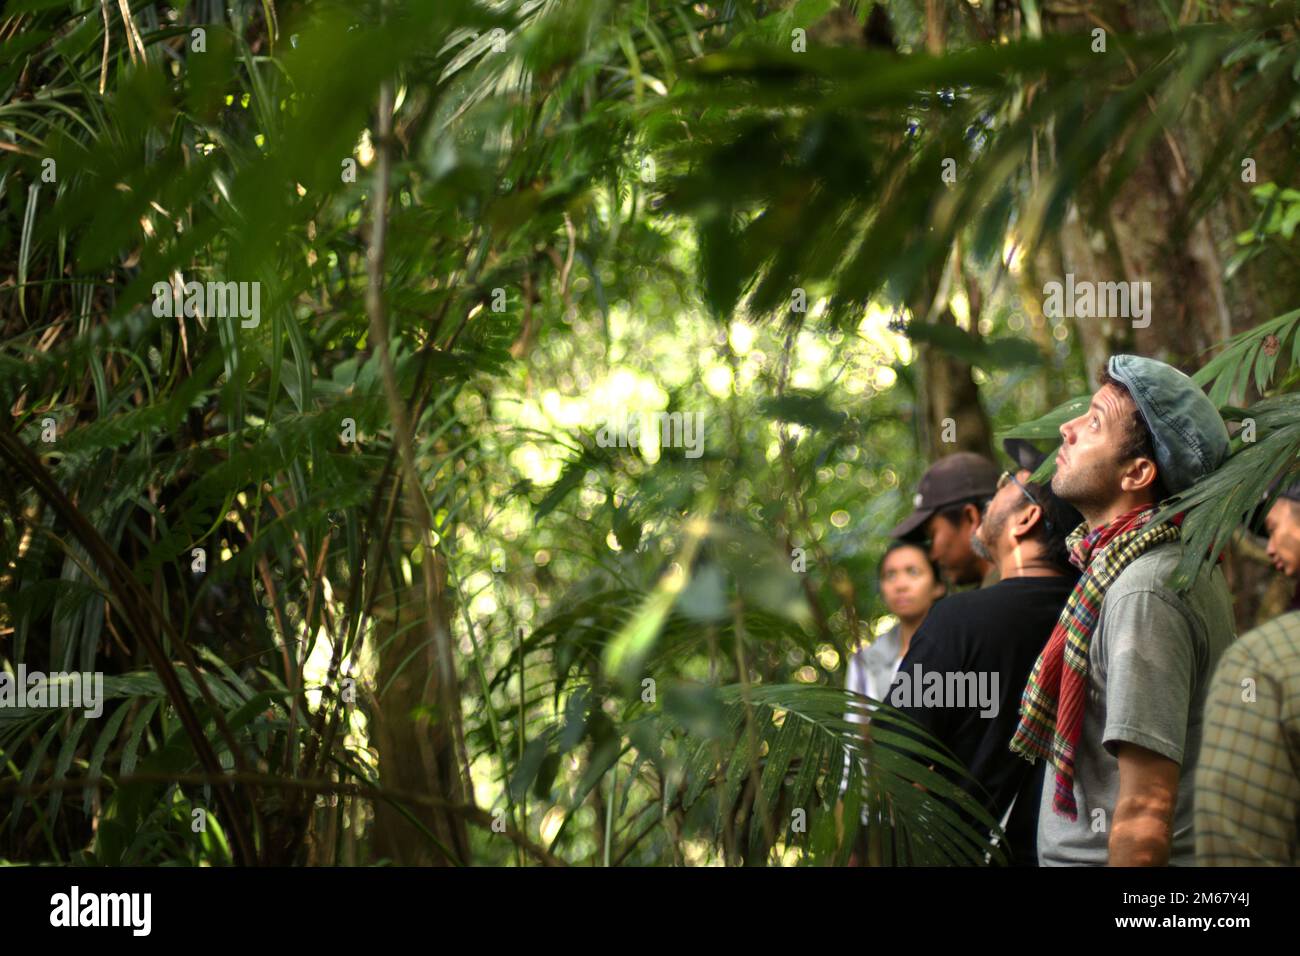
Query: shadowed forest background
x=365 y=579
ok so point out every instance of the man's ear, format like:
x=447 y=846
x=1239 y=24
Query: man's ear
x=971 y=514
x=1138 y=475
x=1026 y=520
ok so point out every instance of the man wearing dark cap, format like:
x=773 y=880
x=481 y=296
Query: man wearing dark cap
x=948 y=505
x=1115 y=700
x=1023 y=453
x=1248 y=776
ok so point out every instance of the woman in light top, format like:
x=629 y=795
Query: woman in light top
x=909 y=584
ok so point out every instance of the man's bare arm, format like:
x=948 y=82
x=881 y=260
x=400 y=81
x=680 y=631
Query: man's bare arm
x=1141 y=833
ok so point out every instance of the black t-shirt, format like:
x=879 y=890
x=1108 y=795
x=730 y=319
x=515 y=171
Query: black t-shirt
x=999 y=629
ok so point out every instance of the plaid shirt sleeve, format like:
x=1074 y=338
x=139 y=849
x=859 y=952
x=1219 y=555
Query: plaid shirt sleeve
x=1248 y=775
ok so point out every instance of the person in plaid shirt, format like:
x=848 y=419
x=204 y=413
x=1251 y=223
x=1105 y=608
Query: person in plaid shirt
x=1247 y=801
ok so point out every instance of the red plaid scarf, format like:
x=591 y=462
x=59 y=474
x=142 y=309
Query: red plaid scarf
x=1051 y=708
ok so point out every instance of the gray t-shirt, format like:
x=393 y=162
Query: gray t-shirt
x=1149 y=664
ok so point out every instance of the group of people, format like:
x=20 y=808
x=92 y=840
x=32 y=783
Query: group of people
x=1130 y=726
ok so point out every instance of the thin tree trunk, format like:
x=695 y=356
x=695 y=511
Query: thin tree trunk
x=418 y=702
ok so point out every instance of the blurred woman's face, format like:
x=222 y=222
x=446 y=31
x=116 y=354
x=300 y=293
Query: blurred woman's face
x=907 y=583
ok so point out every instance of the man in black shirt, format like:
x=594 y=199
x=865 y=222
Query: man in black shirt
x=990 y=639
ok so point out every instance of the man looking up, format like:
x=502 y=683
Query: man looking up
x=947 y=508
x=1115 y=699
x=1248 y=776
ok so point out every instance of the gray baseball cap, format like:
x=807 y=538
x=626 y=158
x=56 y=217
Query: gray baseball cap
x=958 y=477
x=1188 y=433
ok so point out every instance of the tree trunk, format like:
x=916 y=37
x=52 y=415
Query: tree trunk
x=954 y=418
x=1131 y=239
x=416 y=744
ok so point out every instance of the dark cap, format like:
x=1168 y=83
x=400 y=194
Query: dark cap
x=1189 y=437
x=1025 y=455
x=953 y=478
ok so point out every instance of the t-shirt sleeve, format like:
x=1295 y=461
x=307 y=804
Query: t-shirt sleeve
x=1150 y=663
